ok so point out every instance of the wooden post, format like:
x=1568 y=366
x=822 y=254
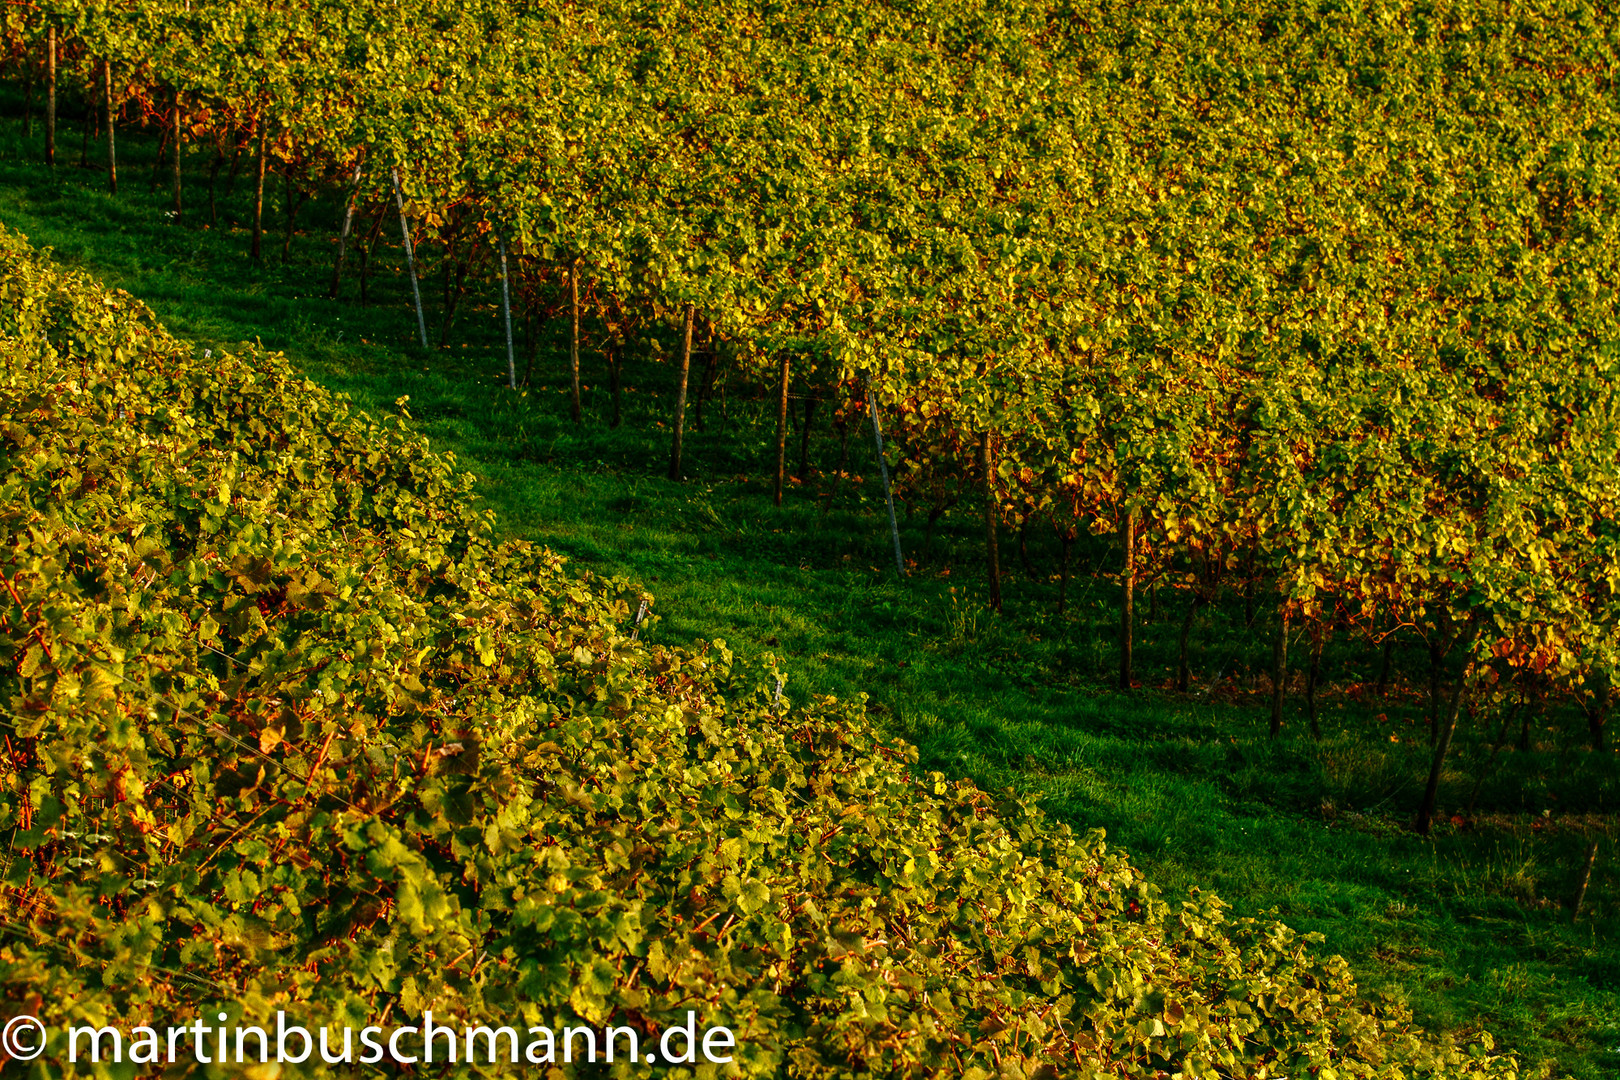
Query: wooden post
x=410 y=260
x=1127 y=607
x=1586 y=879
x=573 y=340
x=781 y=426
x=343 y=236
x=506 y=312
x=883 y=471
x=680 y=394
x=991 y=548
x=177 y=206
x=258 y=199
x=50 y=97
x=112 y=119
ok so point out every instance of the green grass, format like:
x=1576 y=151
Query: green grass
x=1470 y=925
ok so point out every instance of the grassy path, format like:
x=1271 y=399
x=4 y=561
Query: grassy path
x=1466 y=925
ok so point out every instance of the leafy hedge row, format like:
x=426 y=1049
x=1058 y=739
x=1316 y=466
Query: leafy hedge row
x=286 y=728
